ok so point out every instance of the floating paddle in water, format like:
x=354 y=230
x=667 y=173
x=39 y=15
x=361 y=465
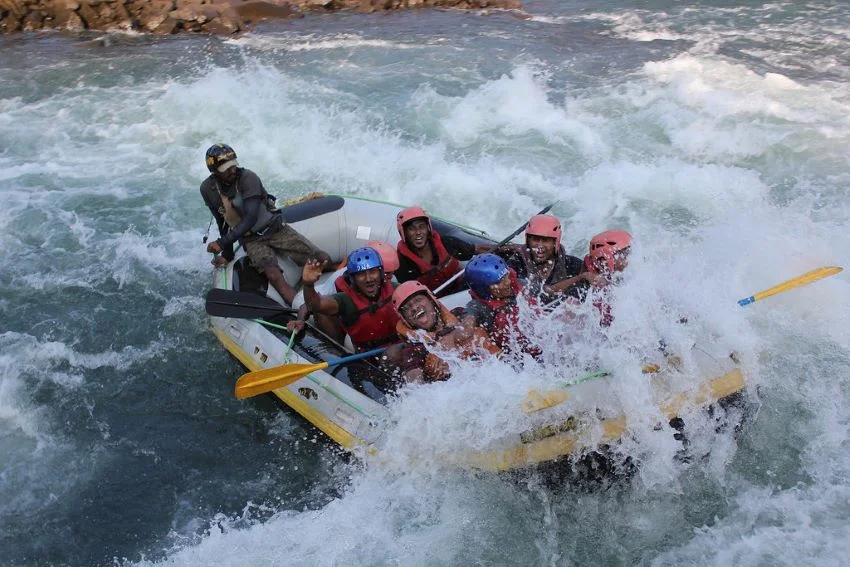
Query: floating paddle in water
x=448 y=282
x=268 y=379
x=536 y=400
x=806 y=278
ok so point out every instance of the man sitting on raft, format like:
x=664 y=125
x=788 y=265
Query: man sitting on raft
x=426 y=256
x=244 y=211
x=607 y=257
x=336 y=283
x=541 y=262
x=425 y=323
x=363 y=307
x=494 y=288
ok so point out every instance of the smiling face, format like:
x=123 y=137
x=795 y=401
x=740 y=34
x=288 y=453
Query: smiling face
x=368 y=282
x=416 y=233
x=541 y=248
x=420 y=312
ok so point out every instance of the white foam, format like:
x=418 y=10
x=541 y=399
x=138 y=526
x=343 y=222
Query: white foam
x=316 y=42
x=709 y=230
x=730 y=178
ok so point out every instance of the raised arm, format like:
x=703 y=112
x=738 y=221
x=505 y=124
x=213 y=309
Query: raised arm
x=316 y=302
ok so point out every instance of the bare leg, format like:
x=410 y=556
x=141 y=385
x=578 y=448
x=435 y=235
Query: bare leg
x=275 y=277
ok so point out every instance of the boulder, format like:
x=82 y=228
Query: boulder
x=254 y=11
x=222 y=26
x=65 y=18
x=209 y=16
x=168 y=26
x=17 y=8
x=32 y=21
x=150 y=15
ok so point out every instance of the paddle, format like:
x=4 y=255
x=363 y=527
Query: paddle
x=536 y=401
x=243 y=305
x=268 y=379
x=806 y=278
x=504 y=241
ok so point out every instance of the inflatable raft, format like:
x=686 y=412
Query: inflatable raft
x=348 y=402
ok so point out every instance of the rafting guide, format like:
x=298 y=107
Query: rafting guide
x=244 y=212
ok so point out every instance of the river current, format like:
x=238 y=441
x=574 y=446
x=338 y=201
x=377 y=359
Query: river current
x=718 y=133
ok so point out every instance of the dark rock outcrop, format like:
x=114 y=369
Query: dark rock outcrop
x=205 y=16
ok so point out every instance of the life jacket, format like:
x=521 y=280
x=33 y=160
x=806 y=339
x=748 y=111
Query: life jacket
x=435 y=367
x=559 y=272
x=506 y=318
x=376 y=319
x=231 y=208
x=432 y=276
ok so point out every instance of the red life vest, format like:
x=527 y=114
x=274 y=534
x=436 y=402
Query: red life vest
x=506 y=319
x=432 y=276
x=376 y=319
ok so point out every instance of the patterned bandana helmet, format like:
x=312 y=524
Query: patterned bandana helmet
x=220 y=157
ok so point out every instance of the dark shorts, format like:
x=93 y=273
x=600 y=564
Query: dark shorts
x=286 y=241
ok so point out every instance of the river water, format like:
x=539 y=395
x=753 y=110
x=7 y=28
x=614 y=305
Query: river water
x=717 y=133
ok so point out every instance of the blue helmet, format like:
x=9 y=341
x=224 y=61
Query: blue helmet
x=483 y=271
x=364 y=259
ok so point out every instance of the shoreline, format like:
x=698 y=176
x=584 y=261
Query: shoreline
x=213 y=17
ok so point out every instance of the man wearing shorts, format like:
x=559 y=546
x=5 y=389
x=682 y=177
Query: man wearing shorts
x=244 y=211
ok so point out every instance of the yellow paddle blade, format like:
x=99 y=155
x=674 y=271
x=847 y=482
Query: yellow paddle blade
x=806 y=278
x=268 y=379
x=537 y=400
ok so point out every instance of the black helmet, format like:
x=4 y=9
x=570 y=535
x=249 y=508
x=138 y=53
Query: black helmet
x=221 y=157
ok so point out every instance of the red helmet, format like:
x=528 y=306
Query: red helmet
x=606 y=244
x=389 y=256
x=546 y=226
x=407 y=290
x=409 y=214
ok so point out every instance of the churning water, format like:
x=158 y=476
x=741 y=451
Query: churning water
x=718 y=134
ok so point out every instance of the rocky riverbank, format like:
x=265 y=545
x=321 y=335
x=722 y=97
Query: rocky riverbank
x=202 y=16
